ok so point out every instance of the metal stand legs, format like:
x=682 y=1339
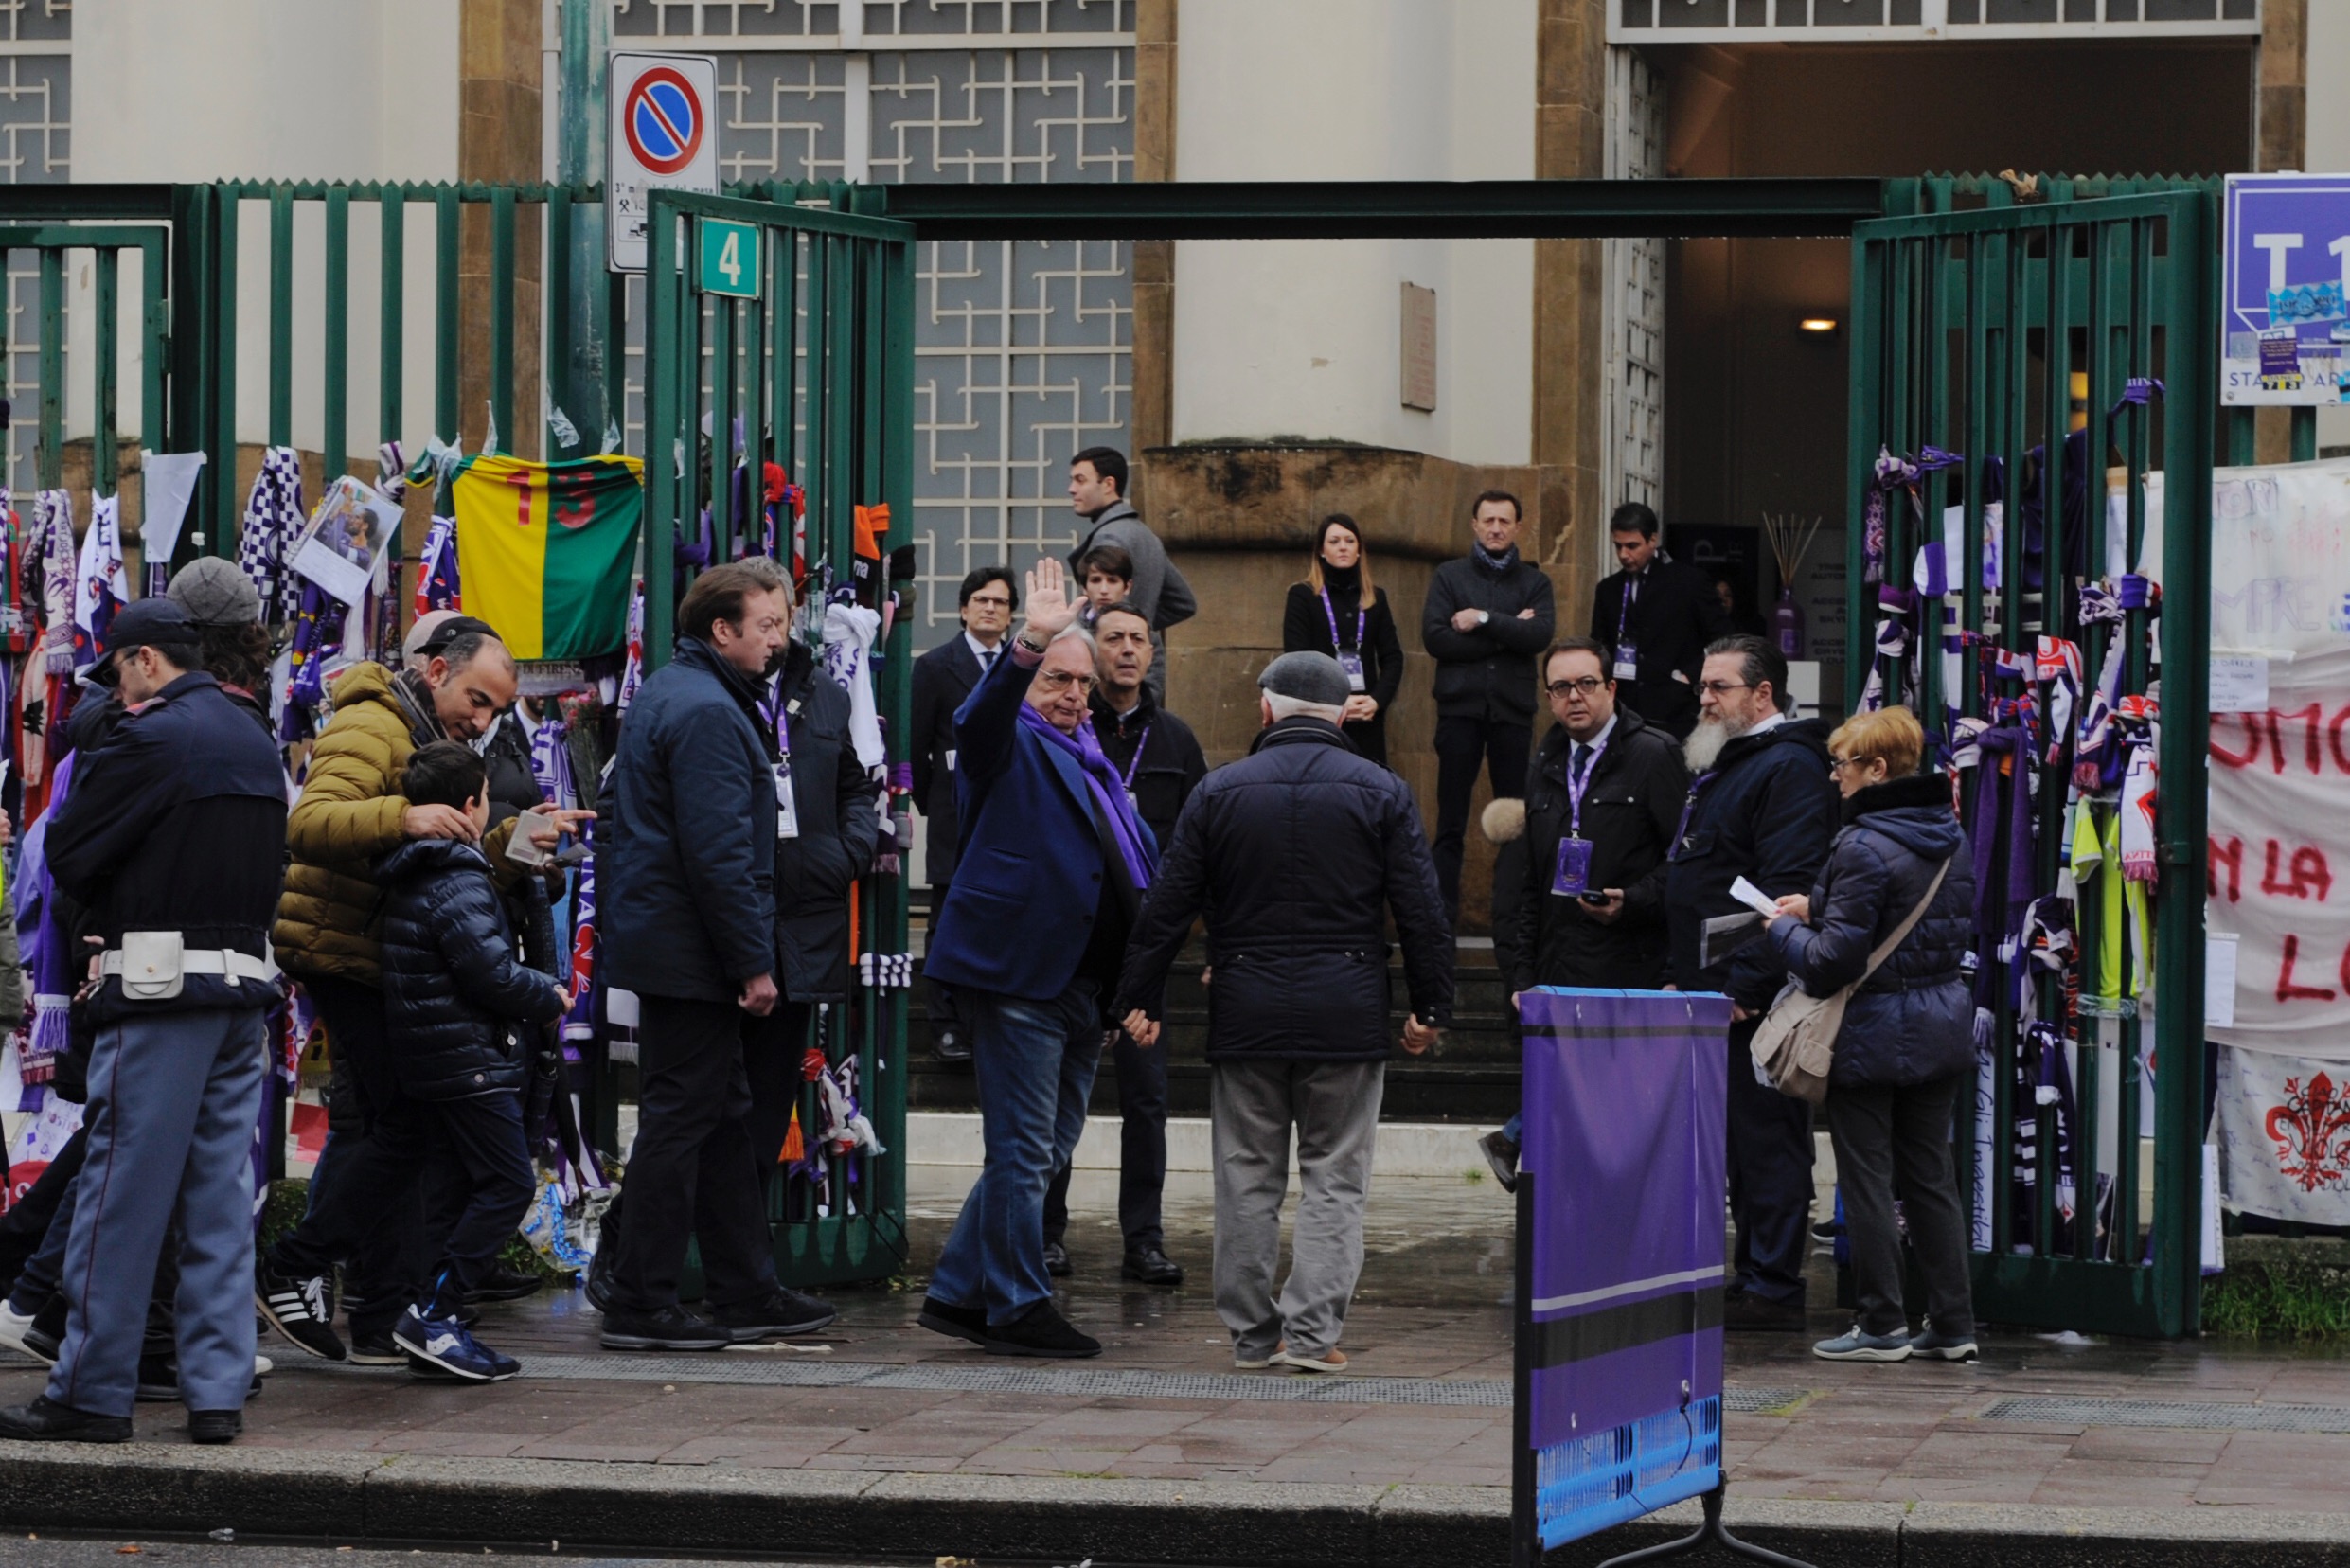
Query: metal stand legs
x=1711 y=1530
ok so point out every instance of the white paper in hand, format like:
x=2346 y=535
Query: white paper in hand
x=1755 y=898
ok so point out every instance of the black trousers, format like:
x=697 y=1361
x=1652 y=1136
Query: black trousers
x=482 y=1166
x=771 y=1047
x=692 y=1172
x=1502 y=747
x=1769 y=1177
x=946 y=1025
x=1896 y=1142
x=1142 y=1150
x=367 y=1208
x=28 y=1220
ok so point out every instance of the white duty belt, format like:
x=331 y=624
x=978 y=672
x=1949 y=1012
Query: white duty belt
x=226 y=962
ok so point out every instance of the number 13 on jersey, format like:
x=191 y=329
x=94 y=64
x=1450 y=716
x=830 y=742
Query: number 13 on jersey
x=729 y=256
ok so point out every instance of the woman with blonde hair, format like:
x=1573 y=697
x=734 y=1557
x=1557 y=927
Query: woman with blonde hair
x=1905 y=1050
x=1337 y=610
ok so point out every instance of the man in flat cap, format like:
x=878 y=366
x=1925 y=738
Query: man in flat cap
x=1293 y=854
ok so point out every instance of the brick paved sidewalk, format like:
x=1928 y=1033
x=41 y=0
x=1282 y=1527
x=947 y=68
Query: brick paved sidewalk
x=2132 y=1425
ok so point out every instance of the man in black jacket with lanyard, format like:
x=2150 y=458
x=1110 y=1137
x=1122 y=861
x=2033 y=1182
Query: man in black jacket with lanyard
x=1487 y=615
x=1159 y=757
x=1657 y=619
x=1763 y=806
x=942 y=679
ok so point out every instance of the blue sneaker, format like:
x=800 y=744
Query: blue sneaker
x=1856 y=1346
x=447 y=1346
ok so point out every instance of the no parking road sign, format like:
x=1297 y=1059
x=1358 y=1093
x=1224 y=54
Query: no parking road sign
x=661 y=137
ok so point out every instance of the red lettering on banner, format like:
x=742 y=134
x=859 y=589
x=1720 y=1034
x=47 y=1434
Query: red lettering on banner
x=2309 y=874
x=2232 y=858
x=2315 y=715
x=2285 y=989
x=2227 y=759
x=2334 y=740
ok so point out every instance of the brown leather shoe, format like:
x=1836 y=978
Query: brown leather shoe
x=1332 y=1360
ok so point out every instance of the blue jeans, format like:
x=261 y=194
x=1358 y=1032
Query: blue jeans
x=173 y=1101
x=1034 y=1063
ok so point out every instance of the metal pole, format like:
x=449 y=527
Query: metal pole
x=588 y=316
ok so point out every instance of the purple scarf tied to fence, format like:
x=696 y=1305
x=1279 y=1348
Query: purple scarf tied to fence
x=1109 y=791
x=2002 y=900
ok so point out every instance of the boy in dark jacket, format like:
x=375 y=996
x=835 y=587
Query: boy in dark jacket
x=455 y=998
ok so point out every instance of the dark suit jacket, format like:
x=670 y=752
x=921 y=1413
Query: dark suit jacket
x=1021 y=913
x=942 y=679
x=1674 y=617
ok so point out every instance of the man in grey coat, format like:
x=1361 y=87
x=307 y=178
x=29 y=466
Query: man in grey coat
x=1097 y=484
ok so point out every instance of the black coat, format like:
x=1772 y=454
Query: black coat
x=814 y=872
x=1295 y=853
x=689 y=874
x=943 y=678
x=1674 y=617
x=176 y=821
x=1630 y=806
x=513 y=784
x=1487 y=673
x=1169 y=768
x=1766 y=812
x=1305 y=628
x=1913 y=1022
x=455 y=993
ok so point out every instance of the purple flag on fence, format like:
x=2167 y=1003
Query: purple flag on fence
x=1625 y=1144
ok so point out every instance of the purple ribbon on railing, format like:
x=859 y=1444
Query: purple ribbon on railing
x=2135 y=592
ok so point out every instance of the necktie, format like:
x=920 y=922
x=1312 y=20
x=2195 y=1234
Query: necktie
x=1576 y=763
x=987 y=662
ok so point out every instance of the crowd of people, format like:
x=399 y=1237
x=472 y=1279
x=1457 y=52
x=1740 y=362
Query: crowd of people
x=1076 y=838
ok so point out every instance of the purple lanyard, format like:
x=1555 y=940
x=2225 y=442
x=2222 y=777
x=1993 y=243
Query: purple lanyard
x=1136 y=765
x=1579 y=785
x=779 y=711
x=1689 y=810
x=1330 y=612
x=1624 y=607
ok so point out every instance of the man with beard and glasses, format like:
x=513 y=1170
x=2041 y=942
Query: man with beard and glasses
x=1761 y=806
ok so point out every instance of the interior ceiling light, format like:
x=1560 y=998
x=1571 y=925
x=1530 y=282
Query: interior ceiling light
x=1817 y=324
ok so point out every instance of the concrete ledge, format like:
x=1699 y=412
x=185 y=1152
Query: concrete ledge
x=153 y=1487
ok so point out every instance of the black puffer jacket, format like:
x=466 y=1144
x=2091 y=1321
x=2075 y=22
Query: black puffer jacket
x=1913 y=1022
x=1294 y=854
x=454 y=991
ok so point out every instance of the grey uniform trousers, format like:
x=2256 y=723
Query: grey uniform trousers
x=173 y=1101
x=1253 y=1107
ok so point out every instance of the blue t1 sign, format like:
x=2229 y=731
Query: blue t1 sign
x=2285 y=327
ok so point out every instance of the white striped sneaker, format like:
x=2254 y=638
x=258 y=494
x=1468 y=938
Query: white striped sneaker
x=298 y=1308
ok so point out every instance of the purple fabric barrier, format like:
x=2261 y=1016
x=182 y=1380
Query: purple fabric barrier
x=1625 y=1142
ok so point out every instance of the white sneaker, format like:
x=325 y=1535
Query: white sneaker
x=12 y=1327
x=263 y=1365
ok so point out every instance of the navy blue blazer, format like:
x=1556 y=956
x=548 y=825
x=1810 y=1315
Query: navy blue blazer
x=1029 y=878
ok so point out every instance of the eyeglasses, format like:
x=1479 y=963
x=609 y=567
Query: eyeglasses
x=990 y=602
x=1837 y=764
x=1723 y=688
x=1061 y=680
x=1582 y=684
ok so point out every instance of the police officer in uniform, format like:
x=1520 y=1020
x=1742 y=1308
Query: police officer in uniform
x=173 y=837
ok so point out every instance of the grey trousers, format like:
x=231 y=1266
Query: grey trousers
x=1252 y=1108
x=1896 y=1142
x=173 y=1100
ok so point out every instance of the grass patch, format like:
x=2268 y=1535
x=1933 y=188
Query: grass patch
x=2279 y=1288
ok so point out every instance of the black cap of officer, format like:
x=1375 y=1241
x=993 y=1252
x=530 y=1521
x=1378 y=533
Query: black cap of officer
x=147 y=623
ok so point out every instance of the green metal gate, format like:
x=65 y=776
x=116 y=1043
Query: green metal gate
x=1973 y=333
x=785 y=334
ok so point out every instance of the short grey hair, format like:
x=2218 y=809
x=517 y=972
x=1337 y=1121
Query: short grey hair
x=1078 y=631
x=769 y=574
x=1292 y=707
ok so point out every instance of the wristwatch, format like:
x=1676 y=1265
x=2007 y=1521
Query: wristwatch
x=1485 y=617
x=1035 y=648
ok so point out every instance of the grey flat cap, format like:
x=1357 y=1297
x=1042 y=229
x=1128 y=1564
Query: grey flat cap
x=215 y=593
x=1309 y=678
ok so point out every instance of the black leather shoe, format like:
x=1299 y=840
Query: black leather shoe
x=785 y=1314
x=1041 y=1331
x=503 y=1284
x=670 y=1329
x=963 y=1322
x=951 y=1049
x=1057 y=1260
x=1751 y=1314
x=215 y=1426
x=46 y=1421
x=1152 y=1267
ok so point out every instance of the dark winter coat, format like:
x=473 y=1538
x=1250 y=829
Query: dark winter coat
x=1295 y=853
x=1670 y=623
x=1765 y=811
x=943 y=679
x=456 y=995
x=688 y=872
x=1305 y=628
x=177 y=822
x=1169 y=768
x=814 y=872
x=1914 y=1020
x=1631 y=807
x=1487 y=673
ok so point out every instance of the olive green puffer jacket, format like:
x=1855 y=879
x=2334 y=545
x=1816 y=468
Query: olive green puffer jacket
x=348 y=818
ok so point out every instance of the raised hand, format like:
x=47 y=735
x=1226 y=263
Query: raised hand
x=1050 y=608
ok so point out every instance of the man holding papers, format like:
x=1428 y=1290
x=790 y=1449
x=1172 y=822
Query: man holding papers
x=1761 y=810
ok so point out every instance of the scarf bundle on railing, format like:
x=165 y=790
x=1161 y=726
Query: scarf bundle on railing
x=2137 y=717
x=2056 y=666
x=59 y=563
x=272 y=521
x=2052 y=947
x=2002 y=815
x=1893 y=608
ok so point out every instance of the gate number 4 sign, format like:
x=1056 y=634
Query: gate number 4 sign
x=729 y=253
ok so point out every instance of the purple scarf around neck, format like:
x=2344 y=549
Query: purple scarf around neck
x=1109 y=791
